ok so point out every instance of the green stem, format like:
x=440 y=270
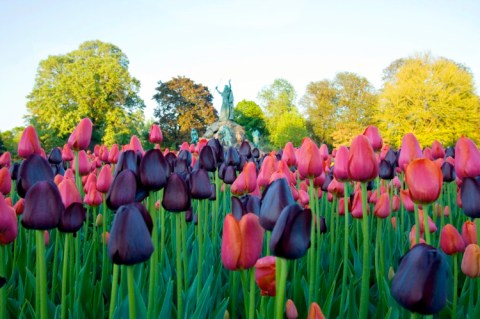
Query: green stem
x=55 y=265
x=131 y=292
x=281 y=285
x=162 y=229
x=113 y=294
x=95 y=247
x=425 y=225
x=477 y=226
x=417 y=224
x=234 y=293
x=245 y=287
x=311 y=252
x=200 y=249
x=153 y=260
x=178 y=239
x=65 y=274
x=42 y=274
x=455 y=286
x=251 y=303
x=3 y=290
x=364 y=295
x=345 y=249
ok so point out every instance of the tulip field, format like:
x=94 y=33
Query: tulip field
x=206 y=231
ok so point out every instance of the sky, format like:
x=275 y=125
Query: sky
x=250 y=42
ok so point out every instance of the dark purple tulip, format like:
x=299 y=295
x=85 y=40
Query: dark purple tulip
x=189 y=215
x=448 y=172
x=72 y=218
x=176 y=196
x=43 y=206
x=123 y=190
x=221 y=171
x=213 y=192
x=130 y=241
x=323 y=225
x=217 y=149
x=181 y=167
x=328 y=180
x=128 y=160
x=470 y=193
x=147 y=218
x=33 y=169
x=420 y=283
x=58 y=169
x=232 y=157
x=386 y=170
x=153 y=170
x=186 y=156
x=291 y=234
x=207 y=159
x=391 y=158
x=55 y=156
x=276 y=196
x=200 y=184
x=14 y=168
x=230 y=175
x=170 y=158
x=251 y=203
x=238 y=210
x=255 y=153
x=245 y=149
x=450 y=151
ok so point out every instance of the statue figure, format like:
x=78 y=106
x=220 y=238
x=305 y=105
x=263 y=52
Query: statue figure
x=225 y=136
x=256 y=137
x=194 y=136
x=226 y=112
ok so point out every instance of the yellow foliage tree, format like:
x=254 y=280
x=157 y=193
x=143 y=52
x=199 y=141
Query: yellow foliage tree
x=434 y=98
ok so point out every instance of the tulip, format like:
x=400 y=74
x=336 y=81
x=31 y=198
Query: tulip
x=265 y=275
x=241 y=241
x=412 y=237
x=72 y=218
x=93 y=197
x=8 y=223
x=409 y=151
x=246 y=182
x=470 y=197
x=43 y=206
x=451 y=241
x=55 y=156
x=357 y=209
x=155 y=136
x=448 y=172
x=309 y=159
x=83 y=164
x=123 y=190
x=437 y=150
x=266 y=171
x=19 y=206
x=471 y=261
x=291 y=234
x=288 y=154
x=207 y=159
x=67 y=154
x=69 y=192
x=81 y=135
x=5 y=159
x=420 y=282
x=153 y=170
x=396 y=203
x=373 y=135
x=469 y=233
x=114 y=154
x=176 y=196
x=432 y=227
x=315 y=312
x=406 y=200
x=200 y=184
x=362 y=164
x=467 y=158
x=5 y=181
x=275 y=198
x=382 y=207
x=29 y=143
x=386 y=170
x=129 y=241
x=340 y=171
x=32 y=170
x=424 y=180
x=104 y=180
x=290 y=310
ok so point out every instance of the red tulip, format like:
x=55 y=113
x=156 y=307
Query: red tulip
x=288 y=154
x=241 y=241
x=340 y=171
x=5 y=181
x=467 y=158
x=93 y=197
x=469 y=232
x=155 y=136
x=323 y=149
x=19 y=206
x=114 y=154
x=104 y=179
x=81 y=135
x=374 y=137
x=471 y=261
x=8 y=223
x=309 y=159
x=290 y=310
x=265 y=275
x=437 y=150
x=409 y=151
x=407 y=200
x=424 y=180
x=67 y=154
x=29 y=143
x=357 y=211
x=431 y=225
x=69 y=192
x=266 y=171
x=382 y=207
x=362 y=164
x=246 y=182
x=5 y=159
x=395 y=203
x=315 y=312
x=412 y=236
x=136 y=145
x=450 y=240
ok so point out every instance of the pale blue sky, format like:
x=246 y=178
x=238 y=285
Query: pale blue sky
x=250 y=42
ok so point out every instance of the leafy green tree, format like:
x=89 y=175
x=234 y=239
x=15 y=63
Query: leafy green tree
x=249 y=115
x=182 y=105
x=340 y=109
x=434 y=98
x=278 y=102
x=11 y=138
x=92 y=81
x=3 y=149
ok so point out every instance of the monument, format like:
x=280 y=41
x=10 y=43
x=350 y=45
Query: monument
x=225 y=129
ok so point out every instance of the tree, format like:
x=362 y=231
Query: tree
x=11 y=138
x=278 y=101
x=434 y=98
x=340 y=109
x=182 y=105
x=3 y=149
x=92 y=81
x=249 y=115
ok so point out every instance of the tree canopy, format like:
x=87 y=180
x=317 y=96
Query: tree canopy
x=249 y=115
x=340 y=109
x=433 y=98
x=92 y=81
x=182 y=105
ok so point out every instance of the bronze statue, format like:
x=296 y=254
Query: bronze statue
x=226 y=112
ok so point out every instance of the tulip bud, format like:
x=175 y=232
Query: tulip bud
x=382 y=207
x=315 y=312
x=470 y=197
x=246 y=182
x=200 y=184
x=275 y=198
x=450 y=240
x=8 y=223
x=469 y=232
x=33 y=169
x=424 y=180
x=43 y=206
x=374 y=137
x=467 y=158
x=176 y=196
x=362 y=164
x=153 y=170
x=288 y=154
x=290 y=310
x=81 y=135
x=5 y=181
x=265 y=275
x=123 y=190
x=29 y=143
x=409 y=150
x=471 y=261
x=309 y=159
x=5 y=159
x=155 y=136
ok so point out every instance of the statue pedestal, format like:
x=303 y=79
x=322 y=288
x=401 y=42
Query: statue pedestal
x=234 y=137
